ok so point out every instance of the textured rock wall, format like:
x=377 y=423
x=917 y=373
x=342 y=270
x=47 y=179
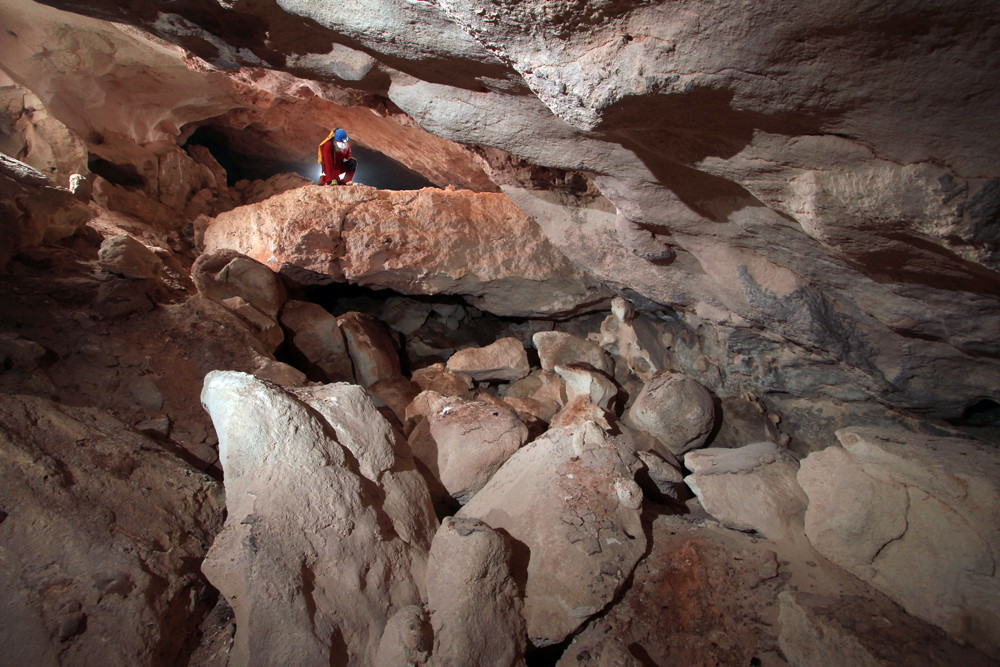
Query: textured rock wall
x=823 y=174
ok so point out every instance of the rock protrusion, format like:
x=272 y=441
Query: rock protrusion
x=314 y=558
x=502 y=361
x=914 y=515
x=475 y=605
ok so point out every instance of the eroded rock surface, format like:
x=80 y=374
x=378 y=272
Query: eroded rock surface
x=912 y=515
x=290 y=537
x=92 y=571
x=569 y=499
x=424 y=242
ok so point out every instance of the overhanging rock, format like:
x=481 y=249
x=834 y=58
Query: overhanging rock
x=478 y=245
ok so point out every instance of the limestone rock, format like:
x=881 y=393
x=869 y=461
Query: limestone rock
x=749 y=488
x=676 y=409
x=404 y=315
x=465 y=441
x=570 y=499
x=395 y=393
x=546 y=387
x=33 y=209
x=914 y=515
x=503 y=360
x=427 y=242
x=438 y=378
x=663 y=481
x=691 y=572
x=124 y=255
x=828 y=631
x=558 y=348
x=226 y=273
x=316 y=338
x=371 y=346
x=306 y=558
x=475 y=604
x=406 y=639
x=102 y=530
x=627 y=339
x=265 y=327
x=280 y=373
x=592 y=386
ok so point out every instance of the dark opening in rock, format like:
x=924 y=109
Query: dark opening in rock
x=119 y=174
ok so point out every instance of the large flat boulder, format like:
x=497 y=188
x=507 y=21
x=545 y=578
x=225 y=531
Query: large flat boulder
x=427 y=242
x=914 y=515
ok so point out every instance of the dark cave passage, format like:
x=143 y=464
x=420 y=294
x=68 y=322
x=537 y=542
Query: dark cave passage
x=374 y=168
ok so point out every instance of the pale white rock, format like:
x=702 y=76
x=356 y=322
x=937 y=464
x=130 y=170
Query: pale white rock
x=561 y=497
x=475 y=605
x=918 y=523
x=584 y=382
x=674 y=408
x=559 y=348
x=305 y=558
x=749 y=488
x=371 y=346
x=124 y=255
x=503 y=360
x=315 y=336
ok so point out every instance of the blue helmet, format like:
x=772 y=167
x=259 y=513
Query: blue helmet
x=340 y=135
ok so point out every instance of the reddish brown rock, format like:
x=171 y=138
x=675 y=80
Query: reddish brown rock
x=371 y=346
x=316 y=338
x=428 y=242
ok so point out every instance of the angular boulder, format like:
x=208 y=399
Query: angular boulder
x=464 y=442
x=914 y=515
x=749 y=488
x=559 y=348
x=371 y=346
x=675 y=409
x=503 y=361
x=124 y=255
x=317 y=340
x=226 y=273
x=425 y=242
x=569 y=497
x=474 y=602
x=313 y=560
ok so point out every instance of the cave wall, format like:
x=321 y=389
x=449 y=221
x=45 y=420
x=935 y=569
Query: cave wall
x=815 y=185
